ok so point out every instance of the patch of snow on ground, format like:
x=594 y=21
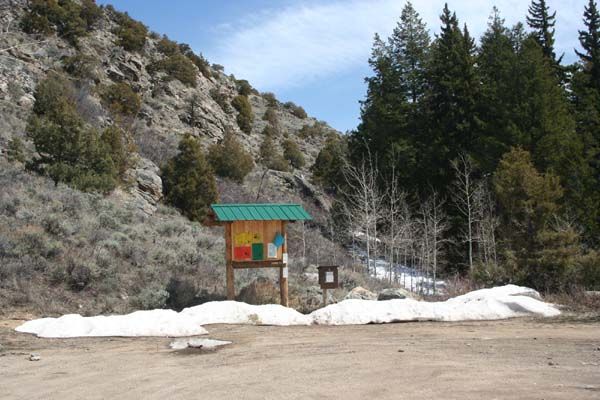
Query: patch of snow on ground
x=139 y=323
x=197 y=343
x=233 y=312
x=487 y=304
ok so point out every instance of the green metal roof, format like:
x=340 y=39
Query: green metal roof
x=260 y=212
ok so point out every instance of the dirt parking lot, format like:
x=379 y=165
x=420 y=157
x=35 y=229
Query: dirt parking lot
x=516 y=359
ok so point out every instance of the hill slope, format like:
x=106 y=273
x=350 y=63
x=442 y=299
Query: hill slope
x=113 y=253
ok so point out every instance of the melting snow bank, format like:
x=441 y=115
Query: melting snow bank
x=233 y=312
x=487 y=304
x=165 y=322
x=139 y=323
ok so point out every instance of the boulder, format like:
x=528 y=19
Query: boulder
x=361 y=293
x=393 y=293
x=260 y=291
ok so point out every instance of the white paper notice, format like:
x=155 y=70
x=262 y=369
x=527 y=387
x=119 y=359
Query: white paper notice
x=271 y=250
x=285 y=272
x=285 y=258
x=329 y=277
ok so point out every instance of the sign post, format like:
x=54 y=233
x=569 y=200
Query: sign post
x=328 y=279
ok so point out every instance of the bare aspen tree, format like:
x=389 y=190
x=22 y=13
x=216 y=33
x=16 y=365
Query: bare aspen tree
x=433 y=228
x=487 y=223
x=464 y=198
x=395 y=201
x=364 y=201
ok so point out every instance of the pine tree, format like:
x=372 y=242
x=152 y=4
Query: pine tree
x=409 y=49
x=453 y=90
x=68 y=150
x=380 y=111
x=585 y=95
x=188 y=180
x=496 y=61
x=229 y=159
x=542 y=23
x=590 y=42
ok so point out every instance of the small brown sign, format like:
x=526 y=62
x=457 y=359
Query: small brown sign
x=328 y=277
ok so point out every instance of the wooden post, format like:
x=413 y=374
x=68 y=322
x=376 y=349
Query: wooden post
x=283 y=271
x=324 y=297
x=228 y=263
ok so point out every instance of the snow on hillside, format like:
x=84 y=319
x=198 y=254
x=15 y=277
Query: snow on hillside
x=487 y=304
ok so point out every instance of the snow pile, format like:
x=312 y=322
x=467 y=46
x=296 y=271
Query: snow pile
x=233 y=312
x=487 y=304
x=139 y=323
x=195 y=343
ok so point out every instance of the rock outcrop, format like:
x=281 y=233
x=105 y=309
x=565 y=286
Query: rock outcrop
x=146 y=185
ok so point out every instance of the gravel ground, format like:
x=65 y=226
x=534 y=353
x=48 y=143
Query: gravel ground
x=515 y=359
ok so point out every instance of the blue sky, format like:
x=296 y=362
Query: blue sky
x=315 y=52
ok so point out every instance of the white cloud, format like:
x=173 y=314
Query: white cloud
x=284 y=48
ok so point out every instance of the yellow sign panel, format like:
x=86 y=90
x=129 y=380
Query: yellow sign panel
x=246 y=238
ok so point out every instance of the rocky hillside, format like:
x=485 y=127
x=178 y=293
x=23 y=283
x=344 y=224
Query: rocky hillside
x=169 y=108
x=102 y=253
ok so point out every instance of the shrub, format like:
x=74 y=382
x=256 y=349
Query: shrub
x=270 y=99
x=221 y=99
x=114 y=138
x=167 y=46
x=271 y=117
x=16 y=150
x=80 y=66
x=243 y=87
x=292 y=153
x=151 y=297
x=319 y=129
x=229 y=159
x=269 y=158
x=269 y=130
x=198 y=60
x=182 y=293
x=69 y=19
x=80 y=275
x=177 y=67
x=589 y=270
x=188 y=180
x=121 y=99
x=245 y=117
x=296 y=110
x=68 y=150
x=131 y=34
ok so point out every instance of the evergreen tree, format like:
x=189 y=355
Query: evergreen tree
x=453 y=90
x=188 y=180
x=69 y=151
x=329 y=164
x=590 y=42
x=409 y=49
x=542 y=23
x=496 y=61
x=292 y=153
x=229 y=159
x=269 y=158
x=585 y=94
